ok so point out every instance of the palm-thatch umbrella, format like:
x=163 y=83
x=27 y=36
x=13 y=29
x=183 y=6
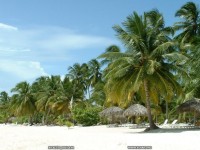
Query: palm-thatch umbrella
x=111 y=112
x=192 y=105
x=136 y=110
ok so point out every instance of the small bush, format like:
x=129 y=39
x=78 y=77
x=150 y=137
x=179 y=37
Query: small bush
x=87 y=116
x=69 y=124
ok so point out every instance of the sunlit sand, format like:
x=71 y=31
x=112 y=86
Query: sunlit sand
x=18 y=137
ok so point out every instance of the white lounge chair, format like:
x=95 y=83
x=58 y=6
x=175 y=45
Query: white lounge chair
x=173 y=124
x=166 y=121
x=164 y=124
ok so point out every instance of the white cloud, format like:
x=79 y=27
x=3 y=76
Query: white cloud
x=7 y=27
x=46 y=43
x=13 y=72
x=73 y=41
x=26 y=54
x=25 y=70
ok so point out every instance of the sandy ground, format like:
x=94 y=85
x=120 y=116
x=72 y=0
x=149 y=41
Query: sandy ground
x=18 y=137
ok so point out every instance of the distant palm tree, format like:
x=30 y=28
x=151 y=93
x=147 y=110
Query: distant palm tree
x=23 y=102
x=62 y=103
x=78 y=74
x=112 y=48
x=95 y=72
x=5 y=106
x=94 y=75
x=98 y=96
x=145 y=67
x=4 y=98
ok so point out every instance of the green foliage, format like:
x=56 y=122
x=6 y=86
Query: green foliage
x=23 y=102
x=69 y=124
x=150 y=56
x=61 y=120
x=98 y=96
x=21 y=120
x=87 y=116
x=5 y=112
x=2 y=118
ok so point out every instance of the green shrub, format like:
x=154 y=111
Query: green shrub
x=87 y=116
x=69 y=124
x=20 y=120
x=62 y=121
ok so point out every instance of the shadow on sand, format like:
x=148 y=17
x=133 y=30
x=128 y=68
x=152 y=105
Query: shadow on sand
x=165 y=130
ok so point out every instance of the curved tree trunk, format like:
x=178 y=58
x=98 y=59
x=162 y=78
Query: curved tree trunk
x=151 y=123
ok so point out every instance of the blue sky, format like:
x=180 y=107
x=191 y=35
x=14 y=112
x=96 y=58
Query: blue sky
x=45 y=37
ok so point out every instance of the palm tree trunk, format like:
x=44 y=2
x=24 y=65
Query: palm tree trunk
x=88 y=89
x=194 y=118
x=151 y=123
x=30 y=120
x=47 y=115
x=167 y=110
x=43 y=119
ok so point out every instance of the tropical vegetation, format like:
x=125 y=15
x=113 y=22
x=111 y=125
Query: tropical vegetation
x=156 y=66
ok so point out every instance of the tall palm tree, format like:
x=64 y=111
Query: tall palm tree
x=78 y=74
x=190 y=25
x=48 y=92
x=94 y=75
x=95 y=72
x=145 y=67
x=189 y=40
x=23 y=102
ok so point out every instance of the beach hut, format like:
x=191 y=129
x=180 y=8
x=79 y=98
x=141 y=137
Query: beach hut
x=135 y=110
x=192 y=105
x=112 y=113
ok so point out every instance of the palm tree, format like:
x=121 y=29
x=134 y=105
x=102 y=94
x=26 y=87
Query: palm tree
x=190 y=25
x=95 y=72
x=98 y=95
x=62 y=103
x=78 y=74
x=189 y=44
x=23 y=102
x=4 y=98
x=4 y=106
x=53 y=96
x=45 y=89
x=94 y=75
x=112 y=48
x=145 y=67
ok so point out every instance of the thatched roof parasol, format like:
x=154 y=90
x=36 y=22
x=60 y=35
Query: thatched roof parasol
x=136 y=110
x=192 y=105
x=111 y=111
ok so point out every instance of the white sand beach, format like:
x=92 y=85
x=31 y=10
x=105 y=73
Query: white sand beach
x=18 y=137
